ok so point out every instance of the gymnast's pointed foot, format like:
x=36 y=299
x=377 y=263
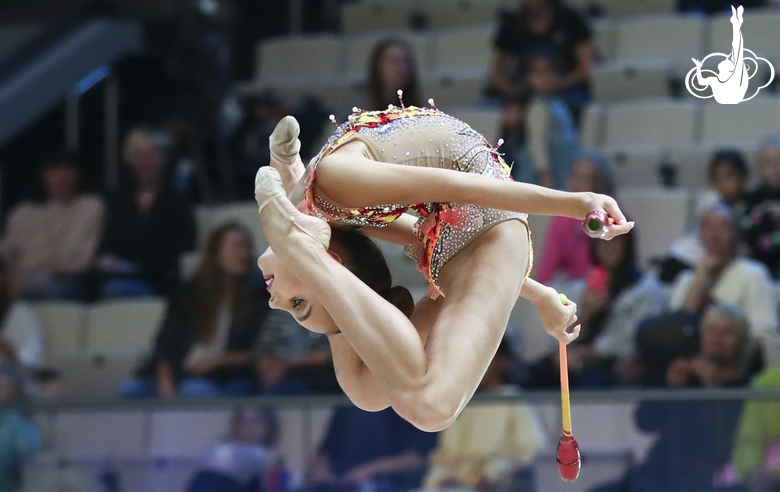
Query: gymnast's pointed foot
x=269 y=189
x=285 y=147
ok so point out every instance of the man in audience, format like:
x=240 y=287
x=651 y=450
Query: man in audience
x=51 y=243
x=148 y=225
x=370 y=451
x=547 y=24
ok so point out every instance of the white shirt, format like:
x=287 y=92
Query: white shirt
x=744 y=283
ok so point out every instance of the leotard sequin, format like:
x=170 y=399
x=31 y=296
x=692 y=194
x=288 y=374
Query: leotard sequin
x=419 y=137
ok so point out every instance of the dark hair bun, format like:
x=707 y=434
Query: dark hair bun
x=401 y=298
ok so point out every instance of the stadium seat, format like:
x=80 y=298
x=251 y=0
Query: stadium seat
x=635 y=167
x=632 y=8
x=652 y=123
x=64 y=327
x=661 y=216
x=189 y=263
x=453 y=89
x=299 y=57
x=486 y=121
x=678 y=38
x=760 y=31
x=177 y=431
x=751 y=121
x=370 y=15
x=442 y=14
x=604 y=38
x=467 y=48
x=96 y=373
x=360 y=47
x=630 y=79
x=129 y=324
x=99 y=431
x=592 y=126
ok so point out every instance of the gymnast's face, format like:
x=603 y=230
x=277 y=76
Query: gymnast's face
x=292 y=295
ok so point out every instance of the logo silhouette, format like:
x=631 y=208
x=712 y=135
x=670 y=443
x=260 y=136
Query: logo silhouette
x=730 y=84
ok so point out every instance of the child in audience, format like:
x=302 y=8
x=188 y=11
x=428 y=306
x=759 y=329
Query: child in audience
x=552 y=141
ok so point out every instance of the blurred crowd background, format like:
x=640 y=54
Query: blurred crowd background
x=130 y=138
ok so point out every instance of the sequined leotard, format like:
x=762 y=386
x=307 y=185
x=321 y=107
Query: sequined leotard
x=418 y=137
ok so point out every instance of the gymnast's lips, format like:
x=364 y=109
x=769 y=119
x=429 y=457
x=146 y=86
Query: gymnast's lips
x=269 y=279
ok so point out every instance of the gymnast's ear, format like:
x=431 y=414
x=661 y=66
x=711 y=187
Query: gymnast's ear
x=401 y=298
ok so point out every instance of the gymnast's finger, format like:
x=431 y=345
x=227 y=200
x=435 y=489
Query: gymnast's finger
x=613 y=210
x=572 y=313
x=617 y=230
x=570 y=337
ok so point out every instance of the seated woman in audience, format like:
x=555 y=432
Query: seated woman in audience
x=393 y=66
x=204 y=345
x=760 y=223
x=566 y=255
x=147 y=227
x=728 y=175
x=550 y=24
x=723 y=346
x=618 y=295
x=50 y=243
x=726 y=277
x=551 y=135
x=489 y=447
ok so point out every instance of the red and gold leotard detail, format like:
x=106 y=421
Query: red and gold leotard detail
x=418 y=137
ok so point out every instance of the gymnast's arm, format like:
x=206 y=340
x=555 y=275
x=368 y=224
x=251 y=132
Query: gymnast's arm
x=345 y=176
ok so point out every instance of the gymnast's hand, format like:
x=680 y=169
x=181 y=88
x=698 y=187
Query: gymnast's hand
x=604 y=203
x=285 y=147
x=557 y=317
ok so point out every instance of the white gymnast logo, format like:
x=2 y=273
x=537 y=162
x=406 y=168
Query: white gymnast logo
x=730 y=84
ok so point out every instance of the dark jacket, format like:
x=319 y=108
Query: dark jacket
x=178 y=332
x=155 y=240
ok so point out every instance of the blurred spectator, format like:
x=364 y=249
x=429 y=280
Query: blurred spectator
x=393 y=67
x=548 y=24
x=618 y=296
x=756 y=454
x=489 y=447
x=291 y=360
x=725 y=277
x=21 y=335
x=567 y=251
x=722 y=277
x=723 y=346
x=204 y=345
x=20 y=438
x=728 y=175
x=147 y=227
x=241 y=461
x=552 y=141
x=760 y=224
x=695 y=437
x=50 y=242
x=377 y=451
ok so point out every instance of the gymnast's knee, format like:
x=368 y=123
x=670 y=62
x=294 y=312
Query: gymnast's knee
x=428 y=415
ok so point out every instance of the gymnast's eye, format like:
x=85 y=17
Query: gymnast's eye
x=296 y=303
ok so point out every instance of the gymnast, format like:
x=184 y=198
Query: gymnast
x=471 y=241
